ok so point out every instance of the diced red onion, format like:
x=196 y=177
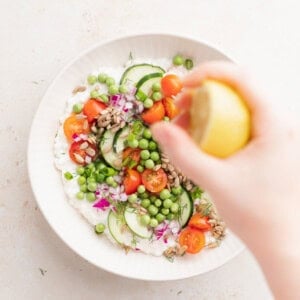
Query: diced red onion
x=102 y=204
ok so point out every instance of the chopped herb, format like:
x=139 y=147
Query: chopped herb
x=196 y=193
x=43 y=271
x=130 y=57
x=134 y=241
x=68 y=176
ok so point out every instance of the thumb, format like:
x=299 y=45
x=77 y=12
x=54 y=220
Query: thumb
x=201 y=168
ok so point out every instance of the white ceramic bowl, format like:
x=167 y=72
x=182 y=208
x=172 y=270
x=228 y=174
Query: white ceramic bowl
x=46 y=180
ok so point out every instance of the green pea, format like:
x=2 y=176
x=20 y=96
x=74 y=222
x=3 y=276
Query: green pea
x=145 y=154
x=156 y=96
x=92 y=79
x=99 y=228
x=102 y=77
x=152 y=145
x=100 y=177
x=91 y=180
x=143 y=144
x=133 y=143
x=165 y=211
x=153 y=198
x=81 y=180
x=144 y=195
x=170 y=217
x=80 y=195
x=92 y=186
x=177 y=190
x=110 y=81
x=153 y=210
x=132 y=198
x=113 y=89
x=178 y=60
x=160 y=217
x=188 y=64
x=164 y=194
x=80 y=170
x=123 y=89
x=149 y=164
x=101 y=166
x=147 y=134
x=145 y=220
x=109 y=180
x=154 y=156
x=91 y=166
x=173 y=198
x=68 y=176
x=90 y=197
x=94 y=94
x=114 y=184
x=77 y=108
x=167 y=203
x=141 y=189
x=145 y=203
x=156 y=87
x=142 y=163
x=174 y=208
x=148 y=103
x=153 y=222
x=157 y=203
x=166 y=119
x=104 y=98
x=83 y=188
x=140 y=168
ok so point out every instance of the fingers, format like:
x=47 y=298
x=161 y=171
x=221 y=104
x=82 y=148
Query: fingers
x=183 y=120
x=243 y=83
x=185 y=155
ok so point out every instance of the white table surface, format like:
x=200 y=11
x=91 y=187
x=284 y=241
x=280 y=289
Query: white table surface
x=37 y=38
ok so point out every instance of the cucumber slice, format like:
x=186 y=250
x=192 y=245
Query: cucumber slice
x=119 y=139
x=144 y=86
x=133 y=221
x=134 y=73
x=106 y=146
x=186 y=208
x=117 y=228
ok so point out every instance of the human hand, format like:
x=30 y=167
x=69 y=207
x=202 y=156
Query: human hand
x=257 y=189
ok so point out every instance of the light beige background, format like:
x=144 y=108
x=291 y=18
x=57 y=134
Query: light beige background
x=37 y=38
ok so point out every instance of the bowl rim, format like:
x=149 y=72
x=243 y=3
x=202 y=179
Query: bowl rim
x=57 y=76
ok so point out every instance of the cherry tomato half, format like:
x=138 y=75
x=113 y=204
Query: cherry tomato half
x=131 y=181
x=171 y=109
x=154 y=181
x=79 y=155
x=92 y=109
x=199 y=222
x=193 y=239
x=171 y=85
x=131 y=157
x=154 y=114
x=75 y=124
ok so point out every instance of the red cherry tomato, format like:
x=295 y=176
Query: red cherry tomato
x=193 y=239
x=79 y=155
x=92 y=109
x=131 y=181
x=131 y=157
x=171 y=85
x=154 y=181
x=171 y=109
x=75 y=124
x=154 y=114
x=199 y=222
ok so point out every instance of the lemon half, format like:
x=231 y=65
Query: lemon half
x=220 y=119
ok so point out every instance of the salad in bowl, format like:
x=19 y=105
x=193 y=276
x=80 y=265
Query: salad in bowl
x=115 y=174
